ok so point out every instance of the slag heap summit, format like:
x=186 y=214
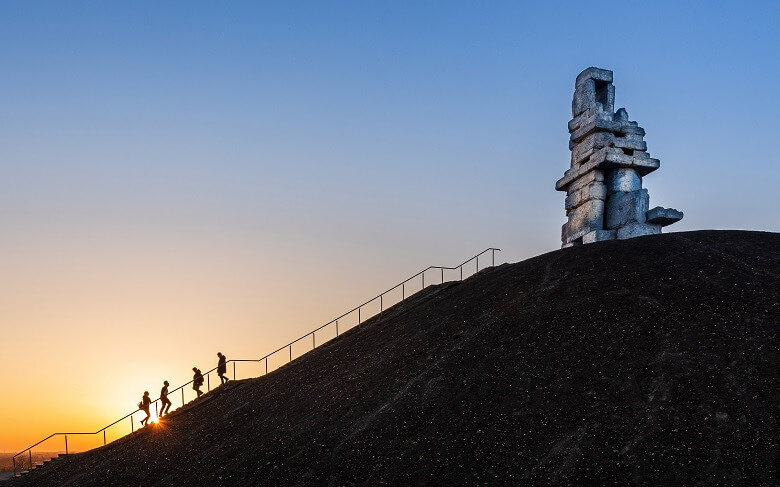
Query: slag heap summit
x=604 y=195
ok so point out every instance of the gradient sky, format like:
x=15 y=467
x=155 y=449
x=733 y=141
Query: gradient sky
x=178 y=178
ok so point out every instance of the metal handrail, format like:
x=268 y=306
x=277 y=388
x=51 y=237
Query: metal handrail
x=265 y=358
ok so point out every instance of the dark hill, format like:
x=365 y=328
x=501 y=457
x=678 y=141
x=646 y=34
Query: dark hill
x=652 y=361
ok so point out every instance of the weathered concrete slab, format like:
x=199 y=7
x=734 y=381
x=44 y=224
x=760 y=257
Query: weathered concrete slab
x=624 y=208
x=583 y=117
x=586 y=218
x=585 y=179
x=602 y=122
x=605 y=159
x=599 y=122
x=582 y=151
x=595 y=190
x=632 y=128
x=584 y=97
x=630 y=141
x=664 y=216
x=637 y=230
x=616 y=158
x=599 y=236
x=623 y=180
x=597 y=140
x=597 y=74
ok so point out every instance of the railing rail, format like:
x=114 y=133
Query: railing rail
x=288 y=347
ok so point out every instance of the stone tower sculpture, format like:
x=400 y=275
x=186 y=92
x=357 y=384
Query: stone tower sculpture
x=604 y=195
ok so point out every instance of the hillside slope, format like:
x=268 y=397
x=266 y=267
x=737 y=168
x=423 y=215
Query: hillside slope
x=648 y=361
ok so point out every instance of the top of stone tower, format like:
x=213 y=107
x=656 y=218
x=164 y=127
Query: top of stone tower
x=593 y=88
x=596 y=74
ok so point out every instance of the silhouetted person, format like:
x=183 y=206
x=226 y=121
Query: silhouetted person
x=197 y=380
x=144 y=406
x=166 y=403
x=222 y=368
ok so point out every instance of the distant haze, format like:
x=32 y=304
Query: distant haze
x=183 y=178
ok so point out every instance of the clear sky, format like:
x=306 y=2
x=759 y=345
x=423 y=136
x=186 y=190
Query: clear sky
x=179 y=178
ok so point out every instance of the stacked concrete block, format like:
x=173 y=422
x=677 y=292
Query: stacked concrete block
x=604 y=195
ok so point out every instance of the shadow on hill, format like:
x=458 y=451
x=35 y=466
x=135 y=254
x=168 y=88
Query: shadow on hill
x=648 y=361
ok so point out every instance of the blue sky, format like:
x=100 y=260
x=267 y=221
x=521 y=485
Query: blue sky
x=236 y=158
x=414 y=110
x=424 y=103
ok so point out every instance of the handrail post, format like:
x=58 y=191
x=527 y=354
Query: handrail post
x=381 y=305
x=182 y=396
x=423 y=280
x=358 y=315
x=208 y=382
x=477 y=263
x=234 y=371
x=30 y=450
x=156 y=411
x=403 y=291
x=337 y=329
x=266 y=366
x=442 y=275
x=14 y=460
x=66 y=444
x=313 y=341
x=104 y=437
x=461 y=272
x=290 y=347
x=493 y=253
x=131 y=426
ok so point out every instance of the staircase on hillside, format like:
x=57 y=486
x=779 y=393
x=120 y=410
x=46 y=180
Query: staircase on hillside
x=382 y=300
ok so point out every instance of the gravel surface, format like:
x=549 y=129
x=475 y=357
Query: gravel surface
x=652 y=361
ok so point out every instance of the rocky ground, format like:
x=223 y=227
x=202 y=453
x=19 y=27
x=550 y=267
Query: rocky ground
x=652 y=361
